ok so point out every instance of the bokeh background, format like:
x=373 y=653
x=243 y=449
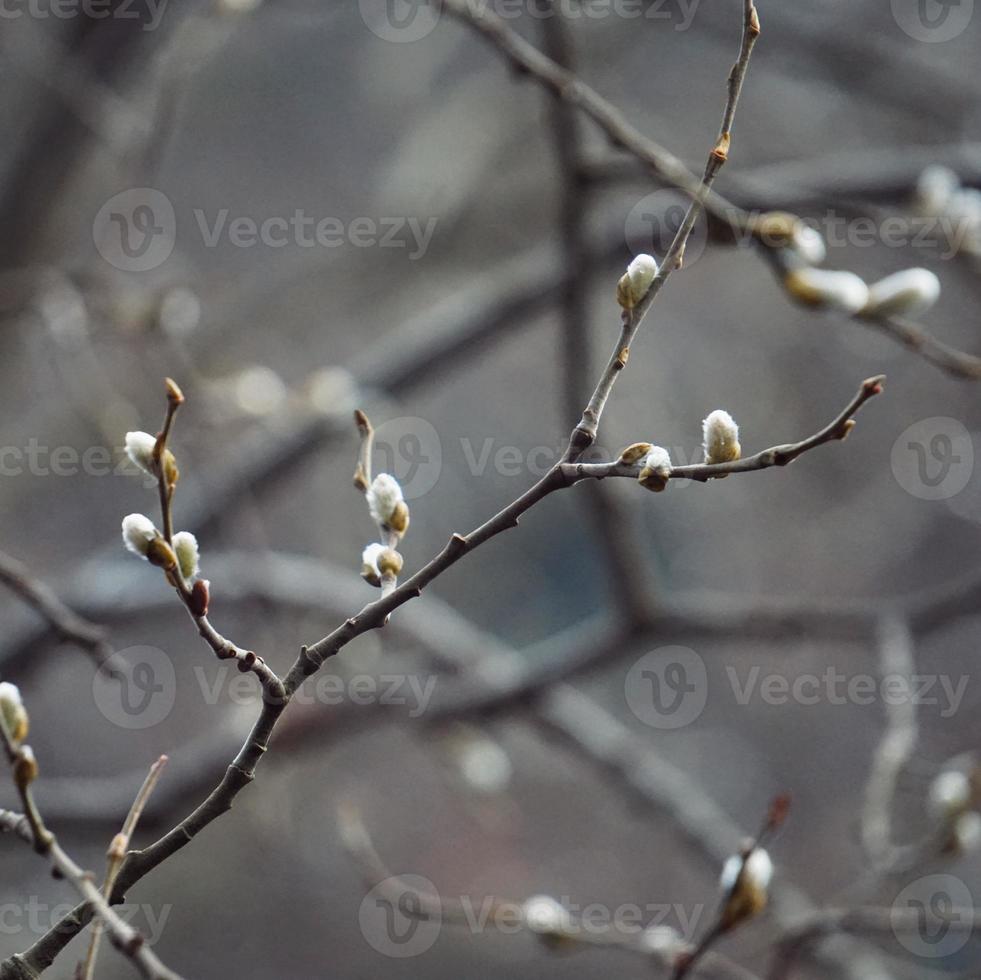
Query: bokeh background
x=457 y=346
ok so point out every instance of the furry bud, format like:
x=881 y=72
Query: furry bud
x=140 y=447
x=13 y=712
x=370 y=571
x=186 y=549
x=386 y=504
x=635 y=282
x=823 y=287
x=720 y=438
x=906 y=293
x=138 y=533
x=655 y=469
x=745 y=884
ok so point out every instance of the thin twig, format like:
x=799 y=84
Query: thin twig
x=63 y=621
x=116 y=855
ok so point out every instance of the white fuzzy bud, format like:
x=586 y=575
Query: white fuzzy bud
x=139 y=448
x=635 y=282
x=745 y=883
x=809 y=244
x=950 y=795
x=909 y=292
x=369 y=564
x=655 y=469
x=935 y=188
x=824 y=287
x=138 y=533
x=966 y=835
x=544 y=915
x=384 y=495
x=13 y=711
x=186 y=549
x=720 y=438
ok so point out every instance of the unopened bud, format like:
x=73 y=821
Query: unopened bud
x=186 y=549
x=823 y=287
x=138 y=533
x=370 y=571
x=200 y=596
x=386 y=504
x=13 y=712
x=655 y=469
x=25 y=767
x=905 y=293
x=745 y=884
x=174 y=394
x=720 y=438
x=636 y=281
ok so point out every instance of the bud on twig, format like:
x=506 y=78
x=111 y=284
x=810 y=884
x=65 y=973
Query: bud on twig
x=386 y=504
x=635 y=282
x=200 y=596
x=186 y=549
x=140 y=448
x=720 y=438
x=745 y=884
x=13 y=712
x=823 y=287
x=370 y=571
x=25 y=768
x=138 y=532
x=906 y=293
x=655 y=469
